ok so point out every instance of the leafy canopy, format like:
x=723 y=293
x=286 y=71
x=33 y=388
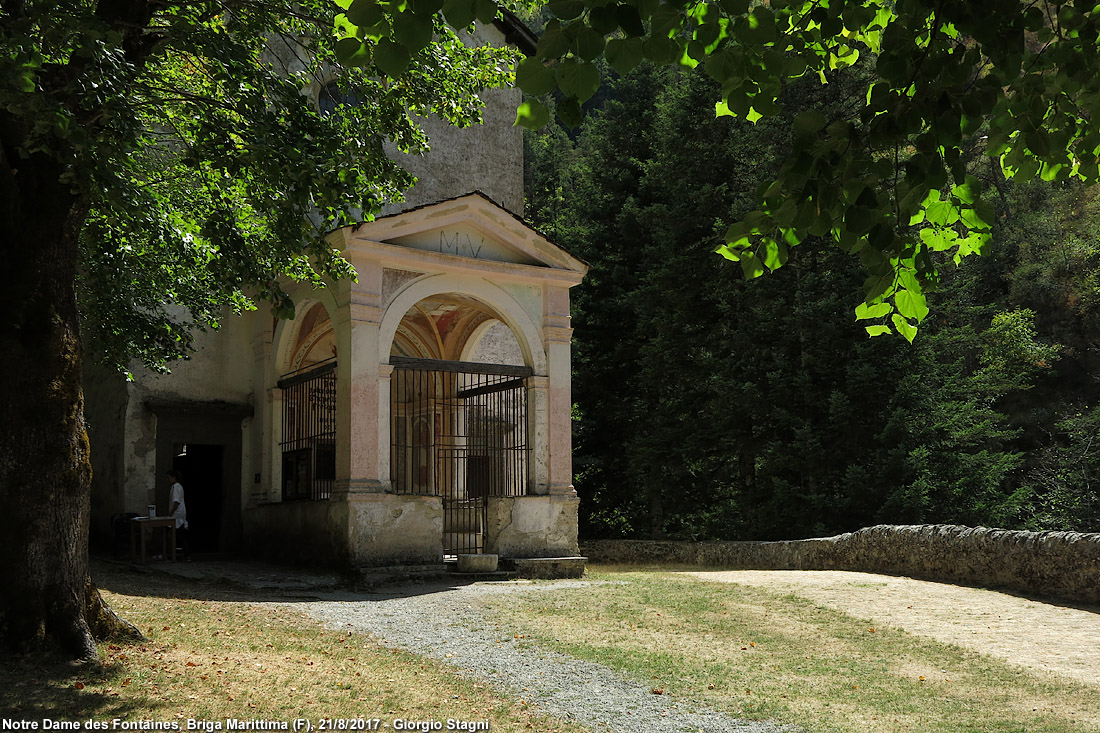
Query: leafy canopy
x=204 y=171
x=892 y=181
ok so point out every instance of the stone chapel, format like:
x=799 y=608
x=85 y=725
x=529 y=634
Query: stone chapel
x=418 y=414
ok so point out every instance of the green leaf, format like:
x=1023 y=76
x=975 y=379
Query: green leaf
x=775 y=254
x=968 y=191
x=911 y=304
x=729 y=253
x=735 y=7
x=859 y=219
x=365 y=13
x=554 y=42
x=624 y=54
x=722 y=109
x=865 y=311
x=536 y=78
x=391 y=58
x=809 y=123
x=459 y=13
x=412 y=31
x=877 y=286
x=485 y=10
x=751 y=265
x=532 y=114
x=905 y=328
x=352 y=52
x=629 y=20
x=579 y=79
x=569 y=112
x=566 y=9
x=942 y=213
x=603 y=19
x=873 y=331
x=25 y=81
x=425 y=7
x=660 y=50
x=588 y=44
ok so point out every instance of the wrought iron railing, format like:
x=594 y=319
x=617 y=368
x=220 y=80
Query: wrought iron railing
x=459 y=431
x=309 y=432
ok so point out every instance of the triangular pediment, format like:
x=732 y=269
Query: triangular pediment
x=470 y=227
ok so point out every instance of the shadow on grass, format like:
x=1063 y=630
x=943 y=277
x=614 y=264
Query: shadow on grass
x=231 y=586
x=43 y=687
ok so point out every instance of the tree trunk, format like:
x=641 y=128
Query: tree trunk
x=45 y=472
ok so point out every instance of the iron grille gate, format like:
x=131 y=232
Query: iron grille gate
x=309 y=431
x=459 y=431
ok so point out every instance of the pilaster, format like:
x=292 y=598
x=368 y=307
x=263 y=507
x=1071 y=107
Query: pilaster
x=557 y=335
x=264 y=447
x=357 y=321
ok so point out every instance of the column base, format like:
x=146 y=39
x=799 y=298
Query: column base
x=532 y=526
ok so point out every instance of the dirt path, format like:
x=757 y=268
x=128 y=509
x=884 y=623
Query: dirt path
x=1029 y=633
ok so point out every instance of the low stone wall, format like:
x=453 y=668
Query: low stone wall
x=1062 y=565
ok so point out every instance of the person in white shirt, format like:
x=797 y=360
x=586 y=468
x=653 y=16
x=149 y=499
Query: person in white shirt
x=177 y=508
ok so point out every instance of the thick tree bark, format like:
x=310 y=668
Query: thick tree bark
x=46 y=595
x=45 y=472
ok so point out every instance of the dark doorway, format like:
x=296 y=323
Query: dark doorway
x=210 y=467
x=201 y=471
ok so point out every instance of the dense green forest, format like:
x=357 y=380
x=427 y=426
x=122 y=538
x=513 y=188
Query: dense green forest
x=708 y=406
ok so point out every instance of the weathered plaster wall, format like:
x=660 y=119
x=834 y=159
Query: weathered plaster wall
x=219 y=370
x=486 y=157
x=299 y=532
x=105 y=398
x=1056 y=564
x=123 y=429
x=532 y=526
x=389 y=529
x=494 y=344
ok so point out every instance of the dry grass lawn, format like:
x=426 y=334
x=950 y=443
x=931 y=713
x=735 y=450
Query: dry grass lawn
x=766 y=655
x=215 y=652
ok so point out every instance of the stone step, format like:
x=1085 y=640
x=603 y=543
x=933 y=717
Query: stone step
x=545 y=567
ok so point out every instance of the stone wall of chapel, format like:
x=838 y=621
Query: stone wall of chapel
x=486 y=157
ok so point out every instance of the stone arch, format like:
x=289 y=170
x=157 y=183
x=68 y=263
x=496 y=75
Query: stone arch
x=288 y=337
x=505 y=308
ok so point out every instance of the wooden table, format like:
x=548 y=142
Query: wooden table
x=143 y=526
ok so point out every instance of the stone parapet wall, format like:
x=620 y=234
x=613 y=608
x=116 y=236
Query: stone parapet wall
x=1062 y=565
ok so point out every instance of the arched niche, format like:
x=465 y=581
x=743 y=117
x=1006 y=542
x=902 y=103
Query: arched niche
x=308 y=339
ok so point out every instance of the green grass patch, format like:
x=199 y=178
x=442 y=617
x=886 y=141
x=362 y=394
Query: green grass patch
x=769 y=656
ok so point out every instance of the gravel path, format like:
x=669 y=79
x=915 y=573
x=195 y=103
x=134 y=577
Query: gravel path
x=445 y=622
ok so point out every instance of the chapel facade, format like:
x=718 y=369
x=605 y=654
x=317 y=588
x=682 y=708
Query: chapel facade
x=420 y=412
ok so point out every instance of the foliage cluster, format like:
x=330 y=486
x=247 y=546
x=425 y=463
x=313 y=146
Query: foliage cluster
x=716 y=407
x=199 y=153
x=890 y=181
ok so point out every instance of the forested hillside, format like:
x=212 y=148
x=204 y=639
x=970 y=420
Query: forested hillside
x=708 y=406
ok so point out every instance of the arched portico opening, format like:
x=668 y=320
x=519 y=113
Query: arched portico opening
x=305 y=429
x=459 y=420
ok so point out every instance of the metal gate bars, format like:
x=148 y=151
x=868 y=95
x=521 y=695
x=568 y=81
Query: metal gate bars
x=309 y=431
x=459 y=431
